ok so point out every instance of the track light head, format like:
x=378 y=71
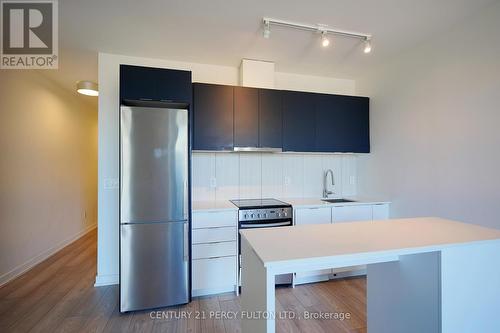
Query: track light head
x=324 y=40
x=368 y=46
x=267 y=29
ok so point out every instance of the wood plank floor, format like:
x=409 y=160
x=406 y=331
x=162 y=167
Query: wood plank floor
x=58 y=296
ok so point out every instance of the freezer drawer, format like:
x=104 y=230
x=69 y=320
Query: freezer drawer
x=154 y=265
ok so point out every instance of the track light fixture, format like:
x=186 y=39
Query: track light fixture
x=324 y=40
x=324 y=30
x=267 y=29
x=368 y=46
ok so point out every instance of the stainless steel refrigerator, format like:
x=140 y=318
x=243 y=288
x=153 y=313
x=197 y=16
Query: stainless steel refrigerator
x=154 y=207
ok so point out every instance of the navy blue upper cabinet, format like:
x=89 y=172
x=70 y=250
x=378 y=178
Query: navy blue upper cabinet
x=212 y=117
x=257 y=118
x=270 y=118
x=246 y=117
x=299 y=121
x=155 y=84
x=342 y=124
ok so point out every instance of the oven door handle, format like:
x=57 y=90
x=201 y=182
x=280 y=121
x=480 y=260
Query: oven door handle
x=264 y=225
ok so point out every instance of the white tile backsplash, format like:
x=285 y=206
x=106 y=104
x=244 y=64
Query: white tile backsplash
x=227 y=173
x=203 y=165
x=272 y=175
x=293 y=176
x=259 y=175
x=313 y=176
x=250 y=175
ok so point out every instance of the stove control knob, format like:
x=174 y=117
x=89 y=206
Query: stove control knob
x=264 y=215
x=258 y=216
x=245 y=216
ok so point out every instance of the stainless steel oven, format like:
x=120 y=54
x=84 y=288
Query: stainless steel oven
x=263 y=213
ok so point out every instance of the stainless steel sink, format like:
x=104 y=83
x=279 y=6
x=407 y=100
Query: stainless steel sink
x=337 y=200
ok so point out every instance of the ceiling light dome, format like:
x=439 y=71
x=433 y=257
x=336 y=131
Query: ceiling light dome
x=88 y=88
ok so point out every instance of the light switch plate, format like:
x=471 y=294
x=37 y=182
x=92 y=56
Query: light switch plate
x=213 y=182
x=352 y=180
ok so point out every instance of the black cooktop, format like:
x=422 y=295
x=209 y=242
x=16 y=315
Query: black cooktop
x=259 y=203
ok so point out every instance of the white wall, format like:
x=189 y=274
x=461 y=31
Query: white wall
x=48 y=169
x=107 y=259
x=435 y=120
x=225 y=176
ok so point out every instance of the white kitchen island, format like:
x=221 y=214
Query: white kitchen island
x=424 y=274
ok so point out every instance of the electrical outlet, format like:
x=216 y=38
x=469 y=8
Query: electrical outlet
x=213 y=182
x=288 y=181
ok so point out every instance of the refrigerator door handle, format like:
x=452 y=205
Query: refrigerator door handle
x=186 y=200
x=186 y=241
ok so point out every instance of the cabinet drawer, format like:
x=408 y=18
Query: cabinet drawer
x=211 y=250
x=213 y=235
x=352 y=213
x=316 y=215
x=214 y=273
x=215 y=219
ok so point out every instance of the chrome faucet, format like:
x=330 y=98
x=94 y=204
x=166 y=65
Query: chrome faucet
x=326 y=193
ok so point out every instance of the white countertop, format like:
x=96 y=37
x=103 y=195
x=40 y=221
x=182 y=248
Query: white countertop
x=222 y=205
x=207 y=206
x=317 y=202
x=294 y=245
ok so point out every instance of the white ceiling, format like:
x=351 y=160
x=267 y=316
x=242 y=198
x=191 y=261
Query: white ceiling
x=224 y=31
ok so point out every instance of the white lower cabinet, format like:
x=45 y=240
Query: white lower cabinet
x=314 y=215
x=214 y=252
x=380 y=212
x=337 y=214
x=214 y=275
x=351 y=213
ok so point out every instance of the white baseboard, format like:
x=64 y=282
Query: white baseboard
x=106 y=280
x=23 y=268
x=213 y=291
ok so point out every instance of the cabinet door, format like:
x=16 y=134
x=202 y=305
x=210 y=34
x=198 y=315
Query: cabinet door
x=214 y=275
x=155 y=84
x=380 y=212
x=317 y=215
x=299 y=123
x=342 y=124
x=246 y=117
x=212 y=117
x=351 y=213
x=174 y=85
x=138 y=83
x=270 y=118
